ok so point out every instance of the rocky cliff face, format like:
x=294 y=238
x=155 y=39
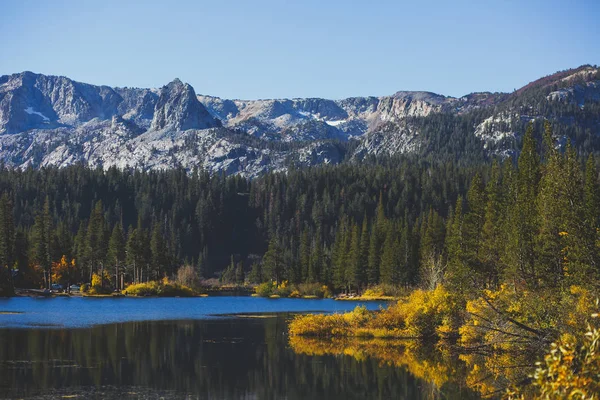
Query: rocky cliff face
x=178 y=108
x=34 y=101
x=49 y=120
x=311 y=119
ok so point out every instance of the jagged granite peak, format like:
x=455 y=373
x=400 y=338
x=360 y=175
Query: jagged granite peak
x=178 y=108
x=302 y=119
x=35 y=101
x=55 y=121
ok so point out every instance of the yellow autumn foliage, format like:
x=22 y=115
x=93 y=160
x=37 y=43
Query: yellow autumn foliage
x=430 y=365
x=163 y=288
x=571 y=368
x=424 y=314
x=505 y=319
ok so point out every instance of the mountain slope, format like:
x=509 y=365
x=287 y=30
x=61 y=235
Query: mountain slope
x=49 y=120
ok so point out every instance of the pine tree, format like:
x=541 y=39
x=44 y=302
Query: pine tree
x=158 y=249
x=592 y=212
x=316 y=271
x=377 y=239
x=95 y=244
x=116 y=251
x=579 y=259
x=406 y=268
x=390 y=256
x=239 y=273
x=363 y=259
x=472 y=228
x=374 y=257
x=229 y=274
x=459 y=275
x=41 y=247
x=550 y=202
x=304 y=255
x=353 y=263
x=255 y=275
x=491 y=232
x=431 y=250
x=273 y=265
x=21 y=256
x=134 y=256
x=339 y=254
x=520 y=250
x=7 y=233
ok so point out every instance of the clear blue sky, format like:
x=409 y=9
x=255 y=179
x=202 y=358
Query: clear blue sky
x=304 y=48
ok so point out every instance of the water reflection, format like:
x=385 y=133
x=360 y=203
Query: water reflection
x=442 y=368
x=241 y=358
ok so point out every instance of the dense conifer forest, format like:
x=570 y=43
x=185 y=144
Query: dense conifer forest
x=404 y=221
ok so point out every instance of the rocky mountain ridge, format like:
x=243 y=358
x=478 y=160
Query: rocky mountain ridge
x=49 y=120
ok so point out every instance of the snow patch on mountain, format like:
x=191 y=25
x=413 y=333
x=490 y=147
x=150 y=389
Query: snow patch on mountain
x=30 y=110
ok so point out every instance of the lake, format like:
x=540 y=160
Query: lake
x=186 y=348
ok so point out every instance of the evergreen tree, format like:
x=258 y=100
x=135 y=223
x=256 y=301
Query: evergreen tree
x=551 y=219
x=7 y=233
x=339 y=254
x=491 y=232
x=255 y=275
x=159 y=262
x=304 y=255
x=520 y=250
x=134 y=255
x=354 y=260
x=592 y=212
x=239 y=273
x=579 y=260
x=472 y=228
x=390 y=257
x=376 y=241
x=316 y=272
x=273 y=265
x=363 y=257
x=431 y=250
x=95 y=244
x=116 y=251
x=459 y=274
x=41 y=247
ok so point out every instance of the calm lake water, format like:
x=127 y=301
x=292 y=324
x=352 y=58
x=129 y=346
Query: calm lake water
x=184 y=348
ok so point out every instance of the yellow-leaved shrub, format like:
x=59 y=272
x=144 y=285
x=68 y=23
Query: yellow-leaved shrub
x=424 y=314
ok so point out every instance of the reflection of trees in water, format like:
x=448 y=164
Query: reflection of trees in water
x=442 y=372
x=216 y=359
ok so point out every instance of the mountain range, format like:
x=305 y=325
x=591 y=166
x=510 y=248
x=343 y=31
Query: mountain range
x=55 y=121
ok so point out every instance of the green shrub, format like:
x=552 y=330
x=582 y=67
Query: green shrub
x=98 y=290
x=265 y=289
x=383 y=290
x=312 y=289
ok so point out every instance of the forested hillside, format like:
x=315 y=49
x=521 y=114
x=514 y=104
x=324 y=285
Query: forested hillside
x=404 y=221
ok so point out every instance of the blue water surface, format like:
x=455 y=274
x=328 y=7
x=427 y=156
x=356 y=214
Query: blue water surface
x=76 y=312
